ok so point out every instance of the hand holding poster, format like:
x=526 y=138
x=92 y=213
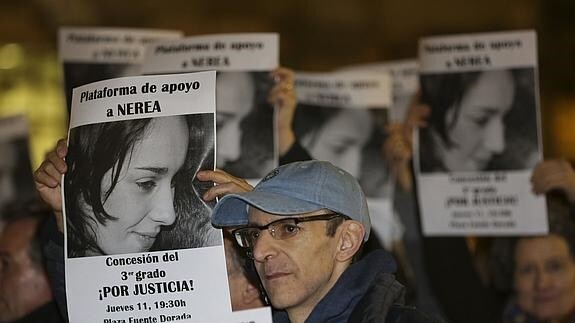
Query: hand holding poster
x=135 y=146
x=244 y=117
x=474 y=160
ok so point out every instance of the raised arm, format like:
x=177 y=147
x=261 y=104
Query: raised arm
x=47 y=179
x=282 y=96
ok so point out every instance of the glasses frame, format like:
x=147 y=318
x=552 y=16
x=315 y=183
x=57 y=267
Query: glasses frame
x=320 y=217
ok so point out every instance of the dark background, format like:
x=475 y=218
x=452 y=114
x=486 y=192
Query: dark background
x=315 y=35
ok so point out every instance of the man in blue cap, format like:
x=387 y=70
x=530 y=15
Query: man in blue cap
x=304 y=225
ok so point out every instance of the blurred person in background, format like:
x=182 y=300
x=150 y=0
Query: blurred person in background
x=543 y=267
x=25 y=292
x=543 y=270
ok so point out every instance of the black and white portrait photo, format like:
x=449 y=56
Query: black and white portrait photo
x=350 y=138
x=244 y=124
x=131 y=187
x=479 y=121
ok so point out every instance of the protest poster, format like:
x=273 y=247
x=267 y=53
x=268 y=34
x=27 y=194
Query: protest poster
x=90 y=54
x=16 y=182
x=474 y=160
x=405 y=79
x=246 y=144
x=135 y=146
x=340 y=118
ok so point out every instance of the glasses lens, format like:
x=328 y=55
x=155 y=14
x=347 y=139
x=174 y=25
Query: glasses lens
x=284 y=229
x=247 y=237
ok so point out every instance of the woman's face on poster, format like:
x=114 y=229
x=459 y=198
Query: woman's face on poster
x=234 y=99
x=545 y=277
x=341 y=138
x=478 y=132
x=143 y=198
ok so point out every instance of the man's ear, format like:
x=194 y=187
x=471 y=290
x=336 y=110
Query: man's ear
x=350 y=241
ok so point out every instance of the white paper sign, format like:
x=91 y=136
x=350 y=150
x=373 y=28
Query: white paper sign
x=344 y=89
x=478 y=52
x=405 y=78
x=474 y=160
x=246 y=138
x=139 y=243
x=340 y=118
x=223 y=52
x=108 y=45
x=90 y=54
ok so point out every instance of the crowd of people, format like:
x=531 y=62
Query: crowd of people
x=301 y=239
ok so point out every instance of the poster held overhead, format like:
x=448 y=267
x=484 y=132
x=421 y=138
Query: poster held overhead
x=135 y=146
x=341 y=118
x=246 y=144
x=474 y=160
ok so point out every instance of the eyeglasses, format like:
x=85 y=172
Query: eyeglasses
x=281 y=229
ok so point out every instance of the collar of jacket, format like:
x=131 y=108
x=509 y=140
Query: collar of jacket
x=340 y=301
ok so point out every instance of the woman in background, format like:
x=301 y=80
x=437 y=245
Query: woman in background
x=544 y=272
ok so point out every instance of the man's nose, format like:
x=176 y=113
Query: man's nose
x=264 y=247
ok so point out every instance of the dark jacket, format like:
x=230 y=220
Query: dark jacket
x=366 y=292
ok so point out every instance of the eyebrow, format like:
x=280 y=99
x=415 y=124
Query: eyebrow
x=157 y=170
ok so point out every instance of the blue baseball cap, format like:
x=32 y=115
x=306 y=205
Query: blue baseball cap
x=297 y=188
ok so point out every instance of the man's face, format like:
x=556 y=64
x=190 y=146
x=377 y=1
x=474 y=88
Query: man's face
x=297 y=272
x=23 y=286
